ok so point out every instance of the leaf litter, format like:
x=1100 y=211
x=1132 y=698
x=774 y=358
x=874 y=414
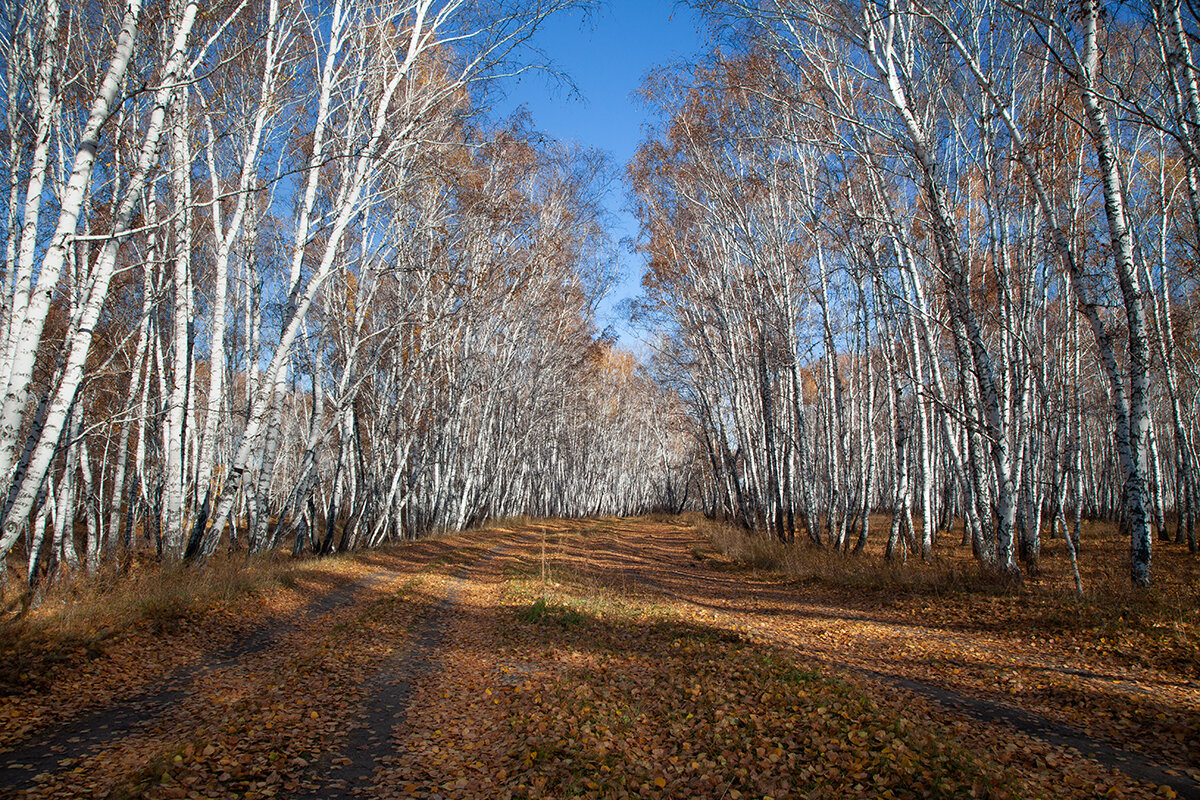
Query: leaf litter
x=604 y=678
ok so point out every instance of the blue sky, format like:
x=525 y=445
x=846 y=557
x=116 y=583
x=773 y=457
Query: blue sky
x=607 y=55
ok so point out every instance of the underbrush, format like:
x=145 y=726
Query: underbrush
x=1158 y=626
x=518 y=522
x=867 y=571
x=80 y=616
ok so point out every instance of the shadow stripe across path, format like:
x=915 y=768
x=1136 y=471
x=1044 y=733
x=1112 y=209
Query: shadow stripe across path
x=1133 y=764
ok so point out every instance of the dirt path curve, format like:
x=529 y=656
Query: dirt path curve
x=662 y=559
x=457 y=738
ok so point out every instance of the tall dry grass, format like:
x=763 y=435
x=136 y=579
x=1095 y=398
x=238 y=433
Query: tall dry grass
x=867 y=571
x=149 y=590
x=77 y=617
x=1159 y=624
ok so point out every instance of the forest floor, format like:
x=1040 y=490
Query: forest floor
x=614 y=658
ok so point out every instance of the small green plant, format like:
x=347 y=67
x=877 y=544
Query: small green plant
x=542 y=610
x=535 y=613
x=571 y=617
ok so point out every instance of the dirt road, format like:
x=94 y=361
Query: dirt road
x=604 y=658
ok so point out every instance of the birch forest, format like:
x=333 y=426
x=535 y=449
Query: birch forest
x=275 y=277
x=934 y=261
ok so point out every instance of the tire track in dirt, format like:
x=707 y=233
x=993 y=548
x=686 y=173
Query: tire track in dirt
x=60 y=746
x=388 y=696
x=390 y=692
